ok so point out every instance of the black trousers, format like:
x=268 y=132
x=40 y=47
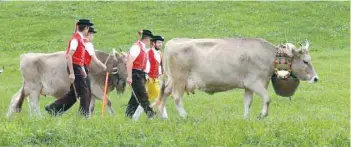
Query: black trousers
x=83 y=90
x=138 y=85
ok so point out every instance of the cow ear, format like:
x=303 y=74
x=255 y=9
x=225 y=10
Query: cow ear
x=124 y=57
x=117 y=54
x=124 y=54
x=297 y=52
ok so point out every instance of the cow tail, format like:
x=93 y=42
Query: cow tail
x=17 y=101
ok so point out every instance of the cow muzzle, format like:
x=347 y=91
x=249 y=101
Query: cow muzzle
x=314 y=79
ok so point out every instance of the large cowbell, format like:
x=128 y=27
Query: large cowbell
x=285 y=87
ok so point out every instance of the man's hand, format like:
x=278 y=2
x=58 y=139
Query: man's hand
x=84 y=73
x=129 y=80
x=104 y=68
x=147 y=77
x=71 y=78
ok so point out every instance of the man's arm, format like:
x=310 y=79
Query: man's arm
x=98 y=62
x=91 y=51
x=133 y=54
x=72 y=50
x=70 y=62
x=131 y=59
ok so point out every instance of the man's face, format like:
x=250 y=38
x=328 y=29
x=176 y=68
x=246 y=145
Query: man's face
x=158 y=44
x=90 y=36
x=86 y=31
x=147 y=40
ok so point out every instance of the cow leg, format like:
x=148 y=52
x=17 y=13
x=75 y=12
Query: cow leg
x=247 y=102
x=178 y=99
x=162 y=106
x=99 y=94
x=34 y=102
x=109 y=105
x=260 y=89
x=180 y=107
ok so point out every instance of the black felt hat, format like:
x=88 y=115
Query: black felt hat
x=155 y=38
x=85 y=22
x=92 y=30
x=145 y=32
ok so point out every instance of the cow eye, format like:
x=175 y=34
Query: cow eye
x=305 y=62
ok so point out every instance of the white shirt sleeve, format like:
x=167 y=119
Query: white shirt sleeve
x=134 y=51
x=73 y=44
x=90 y=48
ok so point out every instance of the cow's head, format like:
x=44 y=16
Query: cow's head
x=116 y=66
x=302 y=66
x=119 y=72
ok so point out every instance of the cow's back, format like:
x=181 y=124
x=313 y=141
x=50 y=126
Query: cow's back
x=214 y=65
x=45 y=72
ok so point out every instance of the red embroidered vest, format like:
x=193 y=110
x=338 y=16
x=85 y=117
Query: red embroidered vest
x=140 y=61
x=78 y=56
x=154 y=65
x=87 y=57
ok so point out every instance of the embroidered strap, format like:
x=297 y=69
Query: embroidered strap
x=282 y=64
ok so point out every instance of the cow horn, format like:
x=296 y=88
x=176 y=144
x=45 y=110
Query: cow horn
x=120 y=50
x=300 y=44
x=307 y=44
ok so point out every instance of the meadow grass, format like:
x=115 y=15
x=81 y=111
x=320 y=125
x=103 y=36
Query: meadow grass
x=318 y=114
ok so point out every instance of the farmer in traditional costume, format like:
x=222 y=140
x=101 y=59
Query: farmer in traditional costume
x=75 y=55
x=136 y=66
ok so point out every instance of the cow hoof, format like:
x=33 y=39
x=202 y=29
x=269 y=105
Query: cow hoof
x=18 y=110
x=261 y=116
x=112 y=113
x=163 y=116
x=8 y=115
x=184 y=115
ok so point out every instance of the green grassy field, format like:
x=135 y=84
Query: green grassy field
x=318 y=114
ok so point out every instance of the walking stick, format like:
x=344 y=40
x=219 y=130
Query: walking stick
x=105 y=97
x=75 y=91
x=104 y=101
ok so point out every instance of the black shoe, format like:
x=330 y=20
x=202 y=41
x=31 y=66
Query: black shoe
x=150 y=114
x=130 y=111
x=52 y=110
x=84 y=113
